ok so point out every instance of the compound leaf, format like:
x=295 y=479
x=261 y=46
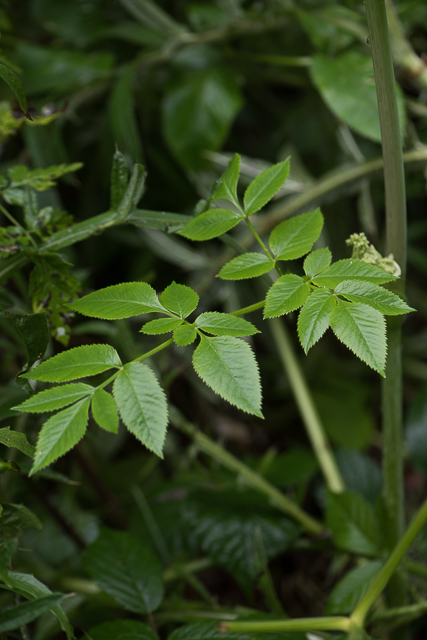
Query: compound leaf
x=179 y=299
x=353 y=523
x=294 y=238
x=184 y=335
x=351 y=269
x=119 y=301
x=223 y=324
x=126 y=569
x=142 y=405
x=227 y=184
x=60 y=433
x=161 y=325
x=56 y=398
x=228 y=366
x=288 y=293
x=265 y=186
x=104 y=411
x=314 y=317
x=362 y=330
x=211 y=224
x=249 y=265
x=80 y=362
x=373 y=295
x=317 y=261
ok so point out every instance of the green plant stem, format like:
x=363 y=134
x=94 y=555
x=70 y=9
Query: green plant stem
x=332 y=623
x=395 y=200
x=416 y=568
x=153 y=351
x=389 y=567
x=307 y=408
x=251 y=478
x=252 y=307
x=411 y=611
x=258 y=239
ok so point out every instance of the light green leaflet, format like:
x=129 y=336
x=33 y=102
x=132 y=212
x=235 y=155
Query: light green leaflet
x=211 y=224
x=179 y=299
x=223 y=324
x=227 y=187
x=184 y=335
x=142 y=405
x=161 y=325
x=80 y=362
x=294 y=238
x=228 y=366
x=248 y=265
x=371 y=294
x=351 y=269
x=286 y=294
x=119 y=301
x=362 y=330
x=104 y=411
x=265 y=186
x=60 y=433
x=56 y=398
x=313 y=319
x=317 y=261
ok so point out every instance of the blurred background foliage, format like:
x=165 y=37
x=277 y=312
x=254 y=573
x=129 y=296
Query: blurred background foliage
x=179 y=86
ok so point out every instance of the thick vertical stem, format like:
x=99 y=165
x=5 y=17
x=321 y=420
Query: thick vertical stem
x=394 y=182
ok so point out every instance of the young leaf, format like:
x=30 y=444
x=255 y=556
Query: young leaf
x=265 y=186
x=350 y=269
x=119 y=301
x=362 y=330
x=350 y=589
x=184 y=335
x=60 y=433
x=56 y=398
x=228 y=366
x=227 y=188
x=80 y=362
x=314 y=317
x=18 y=616
x=119 y=179
x=317 y=261
x=16 y=440
x=126 y=569
x=223 y=324
x=294 y=238
x=211 y=224
x=376 y=297
x=353 y=523
x=161 y=325
x=142 y=405
x=104 y=411
x=249 y=265
x=179 y=299
x=286 y=294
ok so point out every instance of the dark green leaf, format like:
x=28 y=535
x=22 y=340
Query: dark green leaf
x=16 y=440
x=353 y=524
x=121 y=112
x=24 y=613
x=265 y=186
x=223 y=324
x=211 y=224
x=15 y=518
x=119 y=179
x=350 y=589
x=126 y=569
x=286 y=294
x=249 y=265
x=121 y=630
x=294 y=238
x=16 y=85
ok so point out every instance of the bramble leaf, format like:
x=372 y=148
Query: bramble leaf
x=317 y=261
x=362 y=330
x=288 y=293
x=373 y=295
x=228 y=366
x=60 y=433
x=179 y=299
x=227 y=187
x=119 y=301
x=224 y=324
x=161 y=325
x=351 y=269
x=80 y=362
x=248 y=265
x=294 y=238
x=211 y=224
x=16 y=440
x=265 y=186
x=126 y=569
x=142 y=405
x=104 y=411
x=314 y=317
x=56 y=398
x=184 y=335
